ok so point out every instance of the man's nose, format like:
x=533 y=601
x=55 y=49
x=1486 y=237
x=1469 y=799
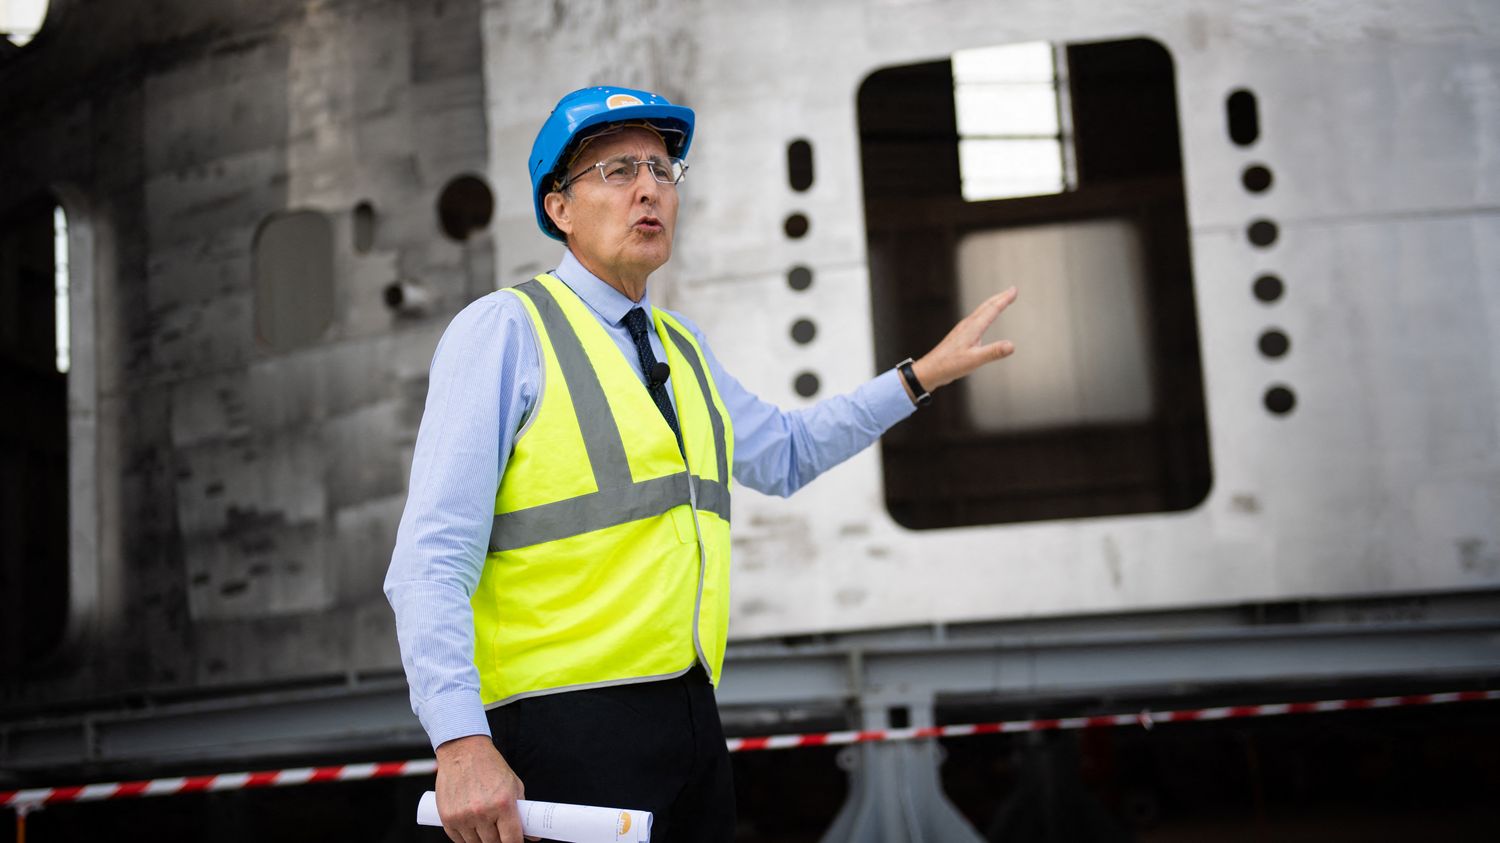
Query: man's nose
x=647 y=188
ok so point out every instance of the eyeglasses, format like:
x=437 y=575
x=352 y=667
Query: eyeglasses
x=623 y=169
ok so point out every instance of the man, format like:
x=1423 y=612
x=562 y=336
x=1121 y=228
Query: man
x=560 y=577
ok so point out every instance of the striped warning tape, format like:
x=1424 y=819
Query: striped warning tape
x=26 y=800
x=1144 y=718
x=35 y=797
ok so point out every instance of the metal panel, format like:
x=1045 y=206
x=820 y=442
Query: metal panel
x=1378 y=483
x=1153 y=657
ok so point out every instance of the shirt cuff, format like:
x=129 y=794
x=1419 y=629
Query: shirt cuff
x=887 y=400
x=453 y=715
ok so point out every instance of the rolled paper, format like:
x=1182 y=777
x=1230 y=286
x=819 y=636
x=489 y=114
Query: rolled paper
x=564 y=822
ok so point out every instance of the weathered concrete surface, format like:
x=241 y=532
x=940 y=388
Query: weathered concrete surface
x=248 y=498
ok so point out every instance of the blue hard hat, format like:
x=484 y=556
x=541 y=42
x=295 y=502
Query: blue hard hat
x=578 y=114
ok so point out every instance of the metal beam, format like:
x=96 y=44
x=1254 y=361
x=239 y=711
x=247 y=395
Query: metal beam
x=1000 y=662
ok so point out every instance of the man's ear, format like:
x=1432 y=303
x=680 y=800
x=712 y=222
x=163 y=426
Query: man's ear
x=556 y=206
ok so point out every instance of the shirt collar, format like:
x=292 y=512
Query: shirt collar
x=609 y=303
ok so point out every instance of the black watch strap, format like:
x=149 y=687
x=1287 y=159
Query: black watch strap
x=910 y=376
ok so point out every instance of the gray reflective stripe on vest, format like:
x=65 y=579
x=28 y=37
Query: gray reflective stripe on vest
x=606 y=508
x=691 y=354
x=601 y=436
x=713 y=496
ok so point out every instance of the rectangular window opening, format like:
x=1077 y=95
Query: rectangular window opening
x=34 y=489
x=60 y=282
x=1054 y=167
x=1014 y=131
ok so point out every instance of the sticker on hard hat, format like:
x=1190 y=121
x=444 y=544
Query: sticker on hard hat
x=619 y=100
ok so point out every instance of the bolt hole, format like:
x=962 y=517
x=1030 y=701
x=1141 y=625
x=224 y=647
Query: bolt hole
x=1280 y=400
x=1244 y=117
x=1274 y=343
x=465 y=206
x=1256 y=178
x=799 y=278
x=803 y=331
x=364 y=227
x=799 y=165
x=796 y=226
x=806 y=384
x=1269 y=288
x=1263 y=233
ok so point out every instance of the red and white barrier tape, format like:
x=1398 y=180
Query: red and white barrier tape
x=1145 y=718
x=36 y=797
x=25 y=800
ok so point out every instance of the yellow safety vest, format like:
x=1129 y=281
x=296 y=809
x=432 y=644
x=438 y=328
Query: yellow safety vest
x=609 y=559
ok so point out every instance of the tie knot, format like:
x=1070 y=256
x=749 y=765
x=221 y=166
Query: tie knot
x=635 y=320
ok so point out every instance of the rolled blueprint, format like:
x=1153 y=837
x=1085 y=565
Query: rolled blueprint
x=561 y=821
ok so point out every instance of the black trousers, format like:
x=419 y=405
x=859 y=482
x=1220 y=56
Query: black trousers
x=654 y=746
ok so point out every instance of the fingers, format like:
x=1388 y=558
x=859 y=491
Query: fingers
x=468 y=831
x=477 y=793
x=460 y=832
x=1002 y=299
x=997 y=350
x=509 y=827
x=992 y=307
x=996 y=303
x=510 y=819
x=969 y=329
x=962 y=351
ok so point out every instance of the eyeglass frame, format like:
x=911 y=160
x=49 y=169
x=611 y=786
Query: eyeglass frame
x=599 y=165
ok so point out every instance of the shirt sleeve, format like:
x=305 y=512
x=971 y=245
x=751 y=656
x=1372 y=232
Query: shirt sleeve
x=779 y=451
x=482 y=385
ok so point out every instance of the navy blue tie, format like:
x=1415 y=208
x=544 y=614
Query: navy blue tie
x=656 y=381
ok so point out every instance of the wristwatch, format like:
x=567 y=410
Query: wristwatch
x=907 y=374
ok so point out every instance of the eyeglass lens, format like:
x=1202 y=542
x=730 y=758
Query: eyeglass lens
x=622 y=170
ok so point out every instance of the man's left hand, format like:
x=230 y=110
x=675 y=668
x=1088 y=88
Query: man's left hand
x=961 y=352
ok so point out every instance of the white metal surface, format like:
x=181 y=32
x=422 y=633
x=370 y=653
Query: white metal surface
x=1380 y=124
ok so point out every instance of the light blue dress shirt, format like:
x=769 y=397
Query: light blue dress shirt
x=483 y=385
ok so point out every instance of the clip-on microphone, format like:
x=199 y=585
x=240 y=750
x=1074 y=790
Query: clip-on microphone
x=659 y=374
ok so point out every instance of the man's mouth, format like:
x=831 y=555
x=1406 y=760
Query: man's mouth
x=648 y=224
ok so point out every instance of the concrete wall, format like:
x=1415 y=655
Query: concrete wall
x=247 y=498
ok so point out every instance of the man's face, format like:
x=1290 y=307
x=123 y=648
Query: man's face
x=624 y=231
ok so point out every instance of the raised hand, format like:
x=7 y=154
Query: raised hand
x=961 y=352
